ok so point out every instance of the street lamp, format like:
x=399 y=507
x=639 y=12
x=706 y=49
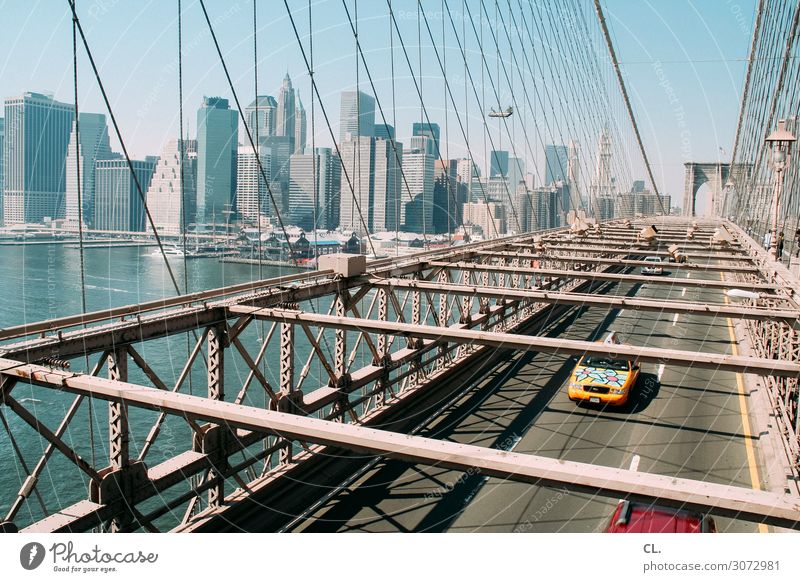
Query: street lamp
x=742 y=294
x=780 y=141
x=727 y=201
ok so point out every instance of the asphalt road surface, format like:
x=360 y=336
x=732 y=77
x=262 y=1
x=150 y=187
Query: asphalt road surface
x=680 y=422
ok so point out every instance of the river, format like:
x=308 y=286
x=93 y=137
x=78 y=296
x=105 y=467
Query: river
x=41 y=282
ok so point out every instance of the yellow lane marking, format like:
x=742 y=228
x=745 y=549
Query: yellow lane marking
x=748 y=445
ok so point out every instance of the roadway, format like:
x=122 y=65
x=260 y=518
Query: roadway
x=681 y=422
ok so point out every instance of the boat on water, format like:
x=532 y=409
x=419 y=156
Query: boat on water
x=169 y=251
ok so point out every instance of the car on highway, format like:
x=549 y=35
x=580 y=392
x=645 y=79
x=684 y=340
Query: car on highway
x=603 y=379
x=655 y=268
x=633 y=517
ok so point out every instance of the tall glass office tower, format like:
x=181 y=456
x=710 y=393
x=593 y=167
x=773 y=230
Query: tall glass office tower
x=94 y=146
x=356 y=115
x=217 y=148
x=556 y=164
x=37 y=130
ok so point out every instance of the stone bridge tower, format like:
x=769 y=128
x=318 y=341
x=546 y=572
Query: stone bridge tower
x=716 y=174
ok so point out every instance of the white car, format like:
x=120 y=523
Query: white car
x=655 y=268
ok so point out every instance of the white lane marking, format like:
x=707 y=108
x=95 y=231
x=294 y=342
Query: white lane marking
x=675 y=319
x=660 y=371
x=634 y=463
x=683 y=292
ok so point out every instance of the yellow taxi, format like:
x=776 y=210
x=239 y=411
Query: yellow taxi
x=602 y=379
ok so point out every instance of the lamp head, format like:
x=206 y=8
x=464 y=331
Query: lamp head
x=780 y=141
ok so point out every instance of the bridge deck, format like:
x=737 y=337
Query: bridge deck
x=686 y=423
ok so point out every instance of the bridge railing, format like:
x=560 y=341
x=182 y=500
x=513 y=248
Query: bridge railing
x=779 y=339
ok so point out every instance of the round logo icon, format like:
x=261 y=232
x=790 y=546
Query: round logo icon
x=31 y=555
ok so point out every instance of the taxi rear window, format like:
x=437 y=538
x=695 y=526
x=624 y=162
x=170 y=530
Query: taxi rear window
x=605 y=362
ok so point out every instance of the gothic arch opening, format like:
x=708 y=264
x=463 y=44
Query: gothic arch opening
x=702 y=200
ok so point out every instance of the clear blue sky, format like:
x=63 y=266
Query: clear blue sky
x=686 y=106
x=685 y=67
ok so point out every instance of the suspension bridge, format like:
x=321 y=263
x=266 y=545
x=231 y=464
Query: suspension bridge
x=429 y=391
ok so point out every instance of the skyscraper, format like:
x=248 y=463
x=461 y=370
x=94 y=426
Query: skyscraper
x=2 y=181
x=250 y=184
x=573 y=172
x=94 y=145
x=384 y=131
x=449 y=194
x=117 y=203
x=430 y=130
x=217 y=144
x=489 y=217
x=498 y=163
x=357 y=186
x=285 y=120
x=542 y=202
x=422 y=143
x=280 y=148
x=266 y=107
x=309 y=171
x=601 y=194
x=330 y=184
x=167 y=207
x=299 y=127
x=303 y=190
x=373 y=169
x=417 y=195
x=387 y=202
x=356 y=115
x=556 y=161
x=516 y=172
x=522 y=203
x=469 y=172
x=37 y=132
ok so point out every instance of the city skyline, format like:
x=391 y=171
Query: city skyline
x=653 y=77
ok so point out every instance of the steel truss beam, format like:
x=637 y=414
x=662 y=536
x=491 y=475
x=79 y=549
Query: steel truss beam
x=605 y=243
x=626 y=262
x=587 y=247
x=602 y=276
x=590 y=300
x=526 y=343
x=723 y=500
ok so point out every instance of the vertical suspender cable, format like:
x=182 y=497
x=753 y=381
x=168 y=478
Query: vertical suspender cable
x=118 y=133
x=315 y=170
x=392 y=137
x=80 y=203
x=182 y=150
x=257 y=144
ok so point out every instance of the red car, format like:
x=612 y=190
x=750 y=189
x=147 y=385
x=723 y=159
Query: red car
x=632 y=517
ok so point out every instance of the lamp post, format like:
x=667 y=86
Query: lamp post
x=780 y=141
x=727 y=197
